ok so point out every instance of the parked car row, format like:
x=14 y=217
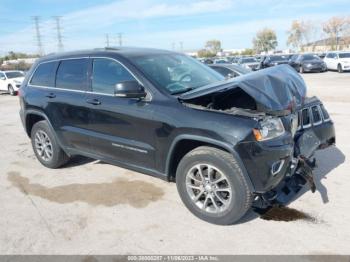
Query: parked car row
x=337 y=60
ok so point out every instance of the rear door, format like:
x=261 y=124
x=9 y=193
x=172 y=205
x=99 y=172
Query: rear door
x=122 y=129
x=63 y=99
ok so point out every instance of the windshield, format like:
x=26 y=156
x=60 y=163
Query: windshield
x=249 y=60
x=344 y=55
x=14 y=74
x=311 y=57
x=175 y=72
x=279 y=58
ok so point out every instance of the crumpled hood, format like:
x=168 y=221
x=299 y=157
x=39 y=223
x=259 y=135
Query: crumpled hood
x=276 y=90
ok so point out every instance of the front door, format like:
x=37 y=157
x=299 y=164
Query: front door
x=122 y=129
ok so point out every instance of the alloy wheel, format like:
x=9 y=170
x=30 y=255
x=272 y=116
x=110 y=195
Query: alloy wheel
x=43 y=145
x=208 y=188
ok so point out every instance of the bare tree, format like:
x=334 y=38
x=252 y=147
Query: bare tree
x=334 y=27
x=295 y=35
x=265 y=40
x=302 y=33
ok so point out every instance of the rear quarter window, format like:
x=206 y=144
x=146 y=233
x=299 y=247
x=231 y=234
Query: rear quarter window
x=44 y=75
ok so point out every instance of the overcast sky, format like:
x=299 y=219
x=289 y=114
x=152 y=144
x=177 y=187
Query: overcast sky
x=155 y=23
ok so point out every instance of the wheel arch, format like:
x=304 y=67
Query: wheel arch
x=33 y=116
x=185 y=143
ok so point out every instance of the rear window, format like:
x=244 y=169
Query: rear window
x=72 y=74
x=45 y=74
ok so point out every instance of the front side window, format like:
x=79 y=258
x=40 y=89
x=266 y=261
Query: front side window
x=106 y=73
x=72 y=74
x=44 y=75
x=176 y=73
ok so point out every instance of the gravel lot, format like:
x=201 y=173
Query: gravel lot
x=90 y=207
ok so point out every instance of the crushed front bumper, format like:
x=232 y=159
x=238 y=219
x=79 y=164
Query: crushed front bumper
x=315 y=133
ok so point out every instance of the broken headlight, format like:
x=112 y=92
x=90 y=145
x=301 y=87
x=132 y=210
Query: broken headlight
x=269 y=128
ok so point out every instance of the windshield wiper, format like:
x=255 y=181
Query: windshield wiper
x=182 y=91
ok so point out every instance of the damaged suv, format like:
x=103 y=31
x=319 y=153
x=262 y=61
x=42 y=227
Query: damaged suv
x=229 y=144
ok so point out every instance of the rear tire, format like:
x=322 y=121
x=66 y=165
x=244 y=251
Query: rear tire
x=11 y=90
x=223 y=202
x=46 y=147
x=340 y=68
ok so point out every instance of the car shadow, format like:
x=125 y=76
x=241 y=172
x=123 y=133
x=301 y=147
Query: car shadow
x=326 y=160
x=79 y=161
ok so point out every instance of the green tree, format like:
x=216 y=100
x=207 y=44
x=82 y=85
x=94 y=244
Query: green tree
x=265 y=40
x=248 y=51
x=213 y=46
x=205 y=53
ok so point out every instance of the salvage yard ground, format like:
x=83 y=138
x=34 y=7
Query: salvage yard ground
x=90 y=207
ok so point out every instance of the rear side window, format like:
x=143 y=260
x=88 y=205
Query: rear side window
x=106 y=73
x=44 y=75
x=72 y=74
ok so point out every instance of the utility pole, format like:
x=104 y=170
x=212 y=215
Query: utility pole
x=181 y=46
x=59 y=35
x=38 y=35
x=120 y=39
x=107 y=40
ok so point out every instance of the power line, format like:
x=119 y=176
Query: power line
x=59 y=34
x=38 y=35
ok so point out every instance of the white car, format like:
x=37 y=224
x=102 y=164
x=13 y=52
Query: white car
x=339 y=61
x=11 y=81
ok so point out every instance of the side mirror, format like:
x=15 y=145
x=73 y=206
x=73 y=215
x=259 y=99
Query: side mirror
x=2 y=78
x=129 y=89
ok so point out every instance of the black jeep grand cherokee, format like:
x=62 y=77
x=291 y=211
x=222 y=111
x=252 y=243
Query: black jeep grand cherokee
x=228 y=144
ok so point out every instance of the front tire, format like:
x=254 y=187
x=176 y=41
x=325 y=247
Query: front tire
x=46 y=147
x=301 y=69
x=340 y=68
x=211 y=184
x=11 y=90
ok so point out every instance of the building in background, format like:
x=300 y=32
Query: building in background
x=327 y=44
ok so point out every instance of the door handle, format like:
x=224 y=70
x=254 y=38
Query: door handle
x=51 y=95
x=93 y=101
